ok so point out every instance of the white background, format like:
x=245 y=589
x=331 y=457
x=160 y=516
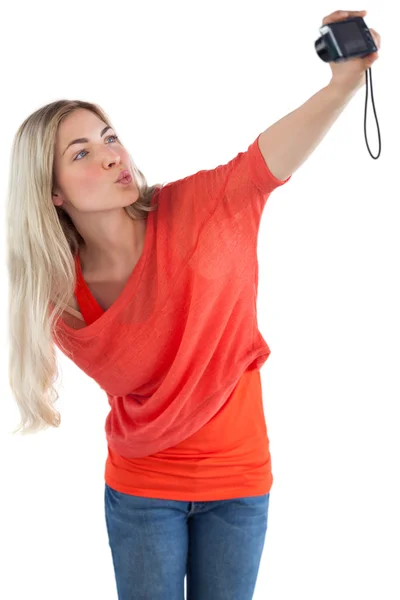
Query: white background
x=188 y=85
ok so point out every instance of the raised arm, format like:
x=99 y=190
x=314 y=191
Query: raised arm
x=288 y=143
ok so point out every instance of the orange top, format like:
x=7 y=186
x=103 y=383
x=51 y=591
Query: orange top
x=227 y=458
x=179 y=351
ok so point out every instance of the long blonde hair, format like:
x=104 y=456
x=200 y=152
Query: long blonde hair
x=41 y=244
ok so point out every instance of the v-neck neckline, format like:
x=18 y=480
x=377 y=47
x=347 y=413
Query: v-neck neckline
x=94 y=328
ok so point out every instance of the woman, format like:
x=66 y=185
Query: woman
x=151 y=291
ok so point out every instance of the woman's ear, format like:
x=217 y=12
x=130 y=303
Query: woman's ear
x=57 y=199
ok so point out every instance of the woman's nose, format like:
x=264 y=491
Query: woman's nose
x=111 y=157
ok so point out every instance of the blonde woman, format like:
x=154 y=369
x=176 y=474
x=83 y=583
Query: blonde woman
x=151 y=291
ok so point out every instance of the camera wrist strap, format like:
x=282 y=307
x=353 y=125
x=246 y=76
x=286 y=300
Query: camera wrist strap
x=367 y=81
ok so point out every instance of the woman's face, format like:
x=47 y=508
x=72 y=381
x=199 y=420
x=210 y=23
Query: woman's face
x=85 y=172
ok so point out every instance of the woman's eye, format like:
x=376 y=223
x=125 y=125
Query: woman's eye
x=110 y=136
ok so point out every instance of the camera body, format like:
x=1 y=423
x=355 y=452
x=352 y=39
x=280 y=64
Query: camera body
x=344 y=40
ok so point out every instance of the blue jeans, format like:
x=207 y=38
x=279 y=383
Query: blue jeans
x=155 y=543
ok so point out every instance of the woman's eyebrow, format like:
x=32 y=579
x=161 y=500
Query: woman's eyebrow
x=85 y=140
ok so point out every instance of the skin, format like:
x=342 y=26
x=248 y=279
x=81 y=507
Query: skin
x=289 y=142
x=85 y=187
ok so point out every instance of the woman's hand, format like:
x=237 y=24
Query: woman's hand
x=349 y=76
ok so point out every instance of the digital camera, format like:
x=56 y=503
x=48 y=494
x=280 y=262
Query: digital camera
x=343 y=40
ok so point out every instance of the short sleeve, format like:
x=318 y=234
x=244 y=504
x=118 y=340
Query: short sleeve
x=229 y=196
x=259 y=171
x=241 y=186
